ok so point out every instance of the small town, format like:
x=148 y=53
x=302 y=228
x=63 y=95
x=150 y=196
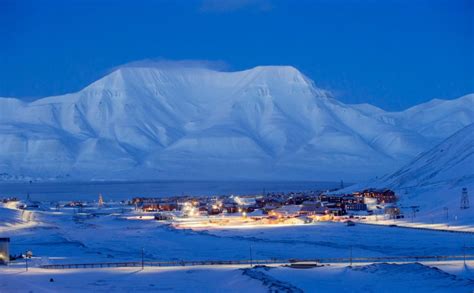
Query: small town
x=236 y=211
x=269 y=208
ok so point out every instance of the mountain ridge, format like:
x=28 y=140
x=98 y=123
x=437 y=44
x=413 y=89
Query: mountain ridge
x=265 y=122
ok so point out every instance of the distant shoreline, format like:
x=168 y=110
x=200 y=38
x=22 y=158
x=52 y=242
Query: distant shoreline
x=118 y=190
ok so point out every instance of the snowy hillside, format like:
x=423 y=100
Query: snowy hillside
x=451 y=161
x=195 y=123
x=434 y=179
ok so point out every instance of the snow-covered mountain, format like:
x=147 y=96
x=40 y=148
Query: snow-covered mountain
x=196 y=123
x=450 y=162
x=434 y=180
x=436 y=119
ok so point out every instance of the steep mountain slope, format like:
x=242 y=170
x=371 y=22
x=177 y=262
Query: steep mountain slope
x=450 y=162
x=195 y=123
x=434 y=180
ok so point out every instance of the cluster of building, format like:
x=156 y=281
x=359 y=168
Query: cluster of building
x=312 y=205
x=9 y=199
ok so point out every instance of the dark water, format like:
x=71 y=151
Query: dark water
x=64 y=191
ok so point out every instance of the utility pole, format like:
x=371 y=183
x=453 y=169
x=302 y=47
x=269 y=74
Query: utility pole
x=251 y=262
x=464 y=253
x=26 y=262
x=446 y=209
x=464 y=199
x=351 y=257
x=143 y=258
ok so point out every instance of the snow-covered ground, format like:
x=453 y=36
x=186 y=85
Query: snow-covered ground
x=117 y=233
x=14 y=219
x=383 y=277
x=62 y=236
x=15 y=279
x=409 y=277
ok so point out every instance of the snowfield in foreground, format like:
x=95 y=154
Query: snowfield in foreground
x=383 y=277
x=115 y=235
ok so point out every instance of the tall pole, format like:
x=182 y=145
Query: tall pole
x=464 y=199
x=251 y=264
x=447 y=217
x=26 y=263
x=351 y=256
x=143 y=258
x=464 y=252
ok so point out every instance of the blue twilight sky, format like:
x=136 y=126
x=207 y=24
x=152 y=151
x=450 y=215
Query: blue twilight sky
x=393 y=54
